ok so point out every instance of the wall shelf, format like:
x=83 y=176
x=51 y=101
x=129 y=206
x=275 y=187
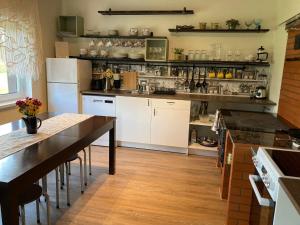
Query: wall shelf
x=111 y=12
x=174 y=30
x=120 y=37
x=184 y=63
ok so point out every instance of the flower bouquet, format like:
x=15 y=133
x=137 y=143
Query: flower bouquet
x=29 y=107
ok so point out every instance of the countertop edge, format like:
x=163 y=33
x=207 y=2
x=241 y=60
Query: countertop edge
x=288 y=191
x=187 y=97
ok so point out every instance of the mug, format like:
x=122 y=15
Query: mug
x=146 y=32
x=83 y=51
x=133 y=31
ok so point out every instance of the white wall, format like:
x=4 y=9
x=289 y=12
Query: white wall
x=208 y=11
x=285 y=10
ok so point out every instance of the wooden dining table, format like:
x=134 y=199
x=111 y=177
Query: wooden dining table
x=25 y=167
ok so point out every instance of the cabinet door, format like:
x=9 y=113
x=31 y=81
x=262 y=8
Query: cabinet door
x=133 y=119
x=170 y=123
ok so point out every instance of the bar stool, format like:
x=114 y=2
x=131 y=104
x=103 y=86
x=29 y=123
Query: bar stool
x=33 y=193
x=68 y=173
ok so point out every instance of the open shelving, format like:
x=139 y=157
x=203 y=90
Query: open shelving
x=201 y=123
x=111 y=12
x=119 y=37
x=174 y=30
x=190 y=63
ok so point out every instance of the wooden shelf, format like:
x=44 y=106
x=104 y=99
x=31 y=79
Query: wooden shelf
x=174 y=30
x=201 y=123
x=120 y=37
x=111 y=12
x=197 y=146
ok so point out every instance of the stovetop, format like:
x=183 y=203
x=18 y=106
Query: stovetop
x=252 y=121
x=287 y=161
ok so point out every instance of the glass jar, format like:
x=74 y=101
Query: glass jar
x=197 y=55
x=190 y=55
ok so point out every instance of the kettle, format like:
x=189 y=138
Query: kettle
x=261 y=92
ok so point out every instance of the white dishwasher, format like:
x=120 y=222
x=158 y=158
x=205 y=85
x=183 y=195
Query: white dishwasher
x=99 y=106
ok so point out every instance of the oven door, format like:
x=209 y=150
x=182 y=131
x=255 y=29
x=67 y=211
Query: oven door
x=262 y=207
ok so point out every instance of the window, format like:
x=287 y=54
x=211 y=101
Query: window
x=10 y=88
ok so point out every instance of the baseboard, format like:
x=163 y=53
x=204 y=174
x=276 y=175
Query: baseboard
x=203 y=153
x=152 y=147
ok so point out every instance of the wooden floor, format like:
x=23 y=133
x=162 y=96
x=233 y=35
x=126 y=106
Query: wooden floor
x=149 y=187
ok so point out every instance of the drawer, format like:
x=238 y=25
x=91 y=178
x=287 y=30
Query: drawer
x=171 y=104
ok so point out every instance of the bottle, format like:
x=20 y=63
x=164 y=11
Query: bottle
x=194 y=136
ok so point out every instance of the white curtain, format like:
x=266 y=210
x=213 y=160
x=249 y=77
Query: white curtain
x=20 y=38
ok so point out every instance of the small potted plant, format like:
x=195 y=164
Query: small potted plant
x=232 y=24
x=178 y=53
x=29 y=107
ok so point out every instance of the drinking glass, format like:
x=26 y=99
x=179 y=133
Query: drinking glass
x=248 y=24
x=237 y=55
x=229 y=55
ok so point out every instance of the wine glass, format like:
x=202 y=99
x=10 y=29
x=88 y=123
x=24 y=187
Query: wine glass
x=257 y=23
x=248 y=24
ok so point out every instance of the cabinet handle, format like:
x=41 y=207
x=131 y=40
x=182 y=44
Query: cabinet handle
x=97 y=100
x=148 y=103
x=171 y=103
x=154 y=112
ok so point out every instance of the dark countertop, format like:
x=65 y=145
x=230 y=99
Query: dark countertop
x=260 y=138
x=180 y=96
x=291 y=186
x=252 y=121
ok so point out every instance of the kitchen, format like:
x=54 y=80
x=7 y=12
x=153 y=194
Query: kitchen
x=186 y=90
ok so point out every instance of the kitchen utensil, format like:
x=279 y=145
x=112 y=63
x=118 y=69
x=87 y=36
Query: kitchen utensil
x=204 y=85
x=261 y=92
x=207 y=141
x=130 y=80
x=186 y=83
x=192 y=82
x=198 y=85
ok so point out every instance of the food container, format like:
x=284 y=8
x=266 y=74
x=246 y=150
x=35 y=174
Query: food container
x=113 y=32
x=202 y=26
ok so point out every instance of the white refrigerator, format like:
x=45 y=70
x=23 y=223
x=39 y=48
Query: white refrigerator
x=66 y=78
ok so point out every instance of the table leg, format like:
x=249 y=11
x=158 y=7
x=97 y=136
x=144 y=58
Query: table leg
x=9 y=208
x=112 y=150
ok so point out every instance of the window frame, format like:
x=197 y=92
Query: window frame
x=20 y=92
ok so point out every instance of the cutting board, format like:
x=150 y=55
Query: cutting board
x=130 y=80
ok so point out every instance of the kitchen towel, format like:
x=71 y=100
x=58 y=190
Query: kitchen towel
x=17 y=140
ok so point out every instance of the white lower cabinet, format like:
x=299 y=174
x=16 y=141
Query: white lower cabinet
x=170 y=123
x=133 y=119
x=153 y=121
